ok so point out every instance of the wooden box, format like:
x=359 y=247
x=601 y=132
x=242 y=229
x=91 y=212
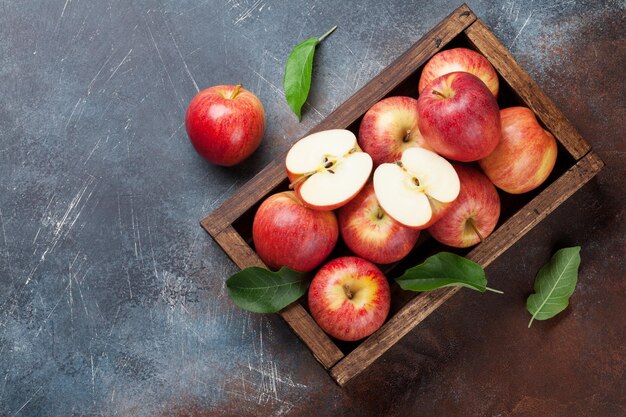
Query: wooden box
x=230 y=225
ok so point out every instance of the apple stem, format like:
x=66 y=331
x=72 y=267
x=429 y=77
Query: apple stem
x=473 y=226
x=300 y=179
x=438 y=93
x=235 y=91
x=380 y=213
x=349 y=293
x=406 y=137
x=493 y=290
x=321 y=38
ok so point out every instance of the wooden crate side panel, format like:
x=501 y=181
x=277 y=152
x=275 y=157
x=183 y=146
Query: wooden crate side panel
x=504 y=237
x=318 y=342
x=528 y=90
x=237 y=249
x=538 y=209
x=324 y=350
x=390 y=333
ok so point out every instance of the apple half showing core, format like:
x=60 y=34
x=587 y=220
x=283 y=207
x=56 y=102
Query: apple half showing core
x=349 y=298
x=327 y=169
x=416 y=190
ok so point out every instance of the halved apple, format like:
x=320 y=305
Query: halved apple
x=327 y=169
x=416 y=190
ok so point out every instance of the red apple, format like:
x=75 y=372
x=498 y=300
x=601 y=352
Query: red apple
x=473 y=215
x=370 y=233
x=525 y=156
x=327 y=169
x=286 y=233
x=349 y=298
x=225 y=124
x=389 y=127
x=459 y=117
x=459 y=59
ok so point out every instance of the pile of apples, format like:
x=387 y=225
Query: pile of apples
x=436 y=162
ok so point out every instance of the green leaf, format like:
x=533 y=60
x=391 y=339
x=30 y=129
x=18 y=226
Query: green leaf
x=444 y=270
x=261 y=291
x=554 y=285
x=297 y=79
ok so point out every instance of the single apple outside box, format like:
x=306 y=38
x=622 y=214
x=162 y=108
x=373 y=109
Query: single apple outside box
x=225 y=124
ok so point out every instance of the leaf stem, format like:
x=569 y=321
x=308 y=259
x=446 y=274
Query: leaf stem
x=494 y=290
x=325 y=35
x=300 y=179
x=563 y=274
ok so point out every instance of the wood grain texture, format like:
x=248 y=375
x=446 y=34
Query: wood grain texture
x=324 y=350
x=237 y=249
x=493 y=246
x=344 y=115
x=301 y=322
x=528 y=90
x=390 y=333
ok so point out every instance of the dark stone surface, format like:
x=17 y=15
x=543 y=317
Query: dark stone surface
x=111 y=296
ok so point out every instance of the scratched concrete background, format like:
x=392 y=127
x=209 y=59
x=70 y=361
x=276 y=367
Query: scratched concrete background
x=111 y=296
